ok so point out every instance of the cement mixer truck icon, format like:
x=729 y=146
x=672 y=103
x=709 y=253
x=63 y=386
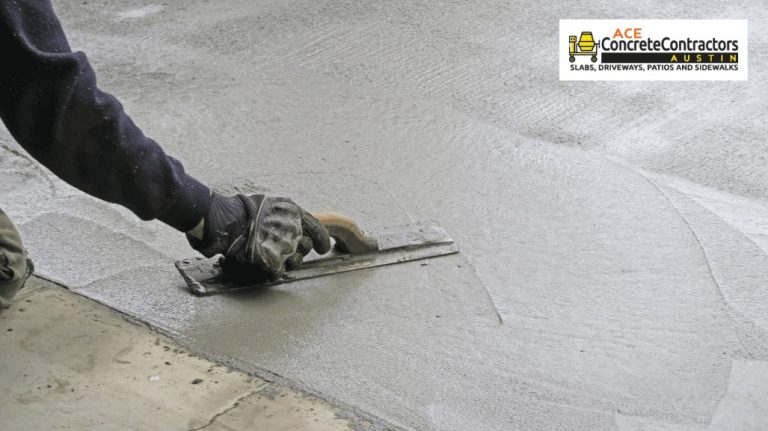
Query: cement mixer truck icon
x=585 y=46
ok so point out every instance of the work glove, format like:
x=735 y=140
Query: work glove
x=269 y=234
x=11 y=281
x=15 y=269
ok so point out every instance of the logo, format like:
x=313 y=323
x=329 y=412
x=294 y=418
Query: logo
x=585 y=46
x=594 y=50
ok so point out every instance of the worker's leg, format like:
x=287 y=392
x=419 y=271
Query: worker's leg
x=14 y=267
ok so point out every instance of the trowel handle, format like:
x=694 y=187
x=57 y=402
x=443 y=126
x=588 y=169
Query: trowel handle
x=349 y=237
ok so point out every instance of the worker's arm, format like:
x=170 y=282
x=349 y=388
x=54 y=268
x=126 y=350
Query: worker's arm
x=50 y=103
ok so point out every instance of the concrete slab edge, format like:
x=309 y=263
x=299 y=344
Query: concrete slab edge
x=360 y=420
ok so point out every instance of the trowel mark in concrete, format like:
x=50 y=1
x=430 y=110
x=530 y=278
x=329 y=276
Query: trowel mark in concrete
x=746 y=401
x=748 y=215
x=141 y=12
x=75 y=252
x=736 y=264
x=743 y=294
x=120 y=220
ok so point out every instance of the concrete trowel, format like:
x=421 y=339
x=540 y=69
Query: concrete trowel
x=352 y=249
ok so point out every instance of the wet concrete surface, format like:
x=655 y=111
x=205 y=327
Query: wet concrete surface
x=613 y=265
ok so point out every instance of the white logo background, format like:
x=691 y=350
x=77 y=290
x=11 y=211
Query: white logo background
x=655 y=29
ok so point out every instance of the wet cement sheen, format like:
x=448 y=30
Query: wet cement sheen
x=588 y=295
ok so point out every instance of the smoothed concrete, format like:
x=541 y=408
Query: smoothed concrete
x=744 y=405
x=593 y=291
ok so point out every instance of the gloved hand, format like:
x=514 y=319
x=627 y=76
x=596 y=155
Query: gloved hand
x=269 y=233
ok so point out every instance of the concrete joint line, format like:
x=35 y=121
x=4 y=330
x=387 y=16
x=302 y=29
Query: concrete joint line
x=234 y=405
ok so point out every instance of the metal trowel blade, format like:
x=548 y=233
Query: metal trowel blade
x=396 y=245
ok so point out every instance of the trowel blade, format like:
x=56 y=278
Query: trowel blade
x=396 y=245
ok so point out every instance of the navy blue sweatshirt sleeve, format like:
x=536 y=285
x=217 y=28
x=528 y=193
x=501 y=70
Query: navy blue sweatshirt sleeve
x=50 y=103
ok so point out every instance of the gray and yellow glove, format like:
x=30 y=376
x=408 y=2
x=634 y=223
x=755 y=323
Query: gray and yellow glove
x=267 y=233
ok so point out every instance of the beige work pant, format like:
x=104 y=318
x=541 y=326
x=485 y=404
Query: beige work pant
x=15 y=268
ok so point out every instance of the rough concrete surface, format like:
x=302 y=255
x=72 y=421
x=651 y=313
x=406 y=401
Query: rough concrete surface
x=613 y=265
x=69 y=363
